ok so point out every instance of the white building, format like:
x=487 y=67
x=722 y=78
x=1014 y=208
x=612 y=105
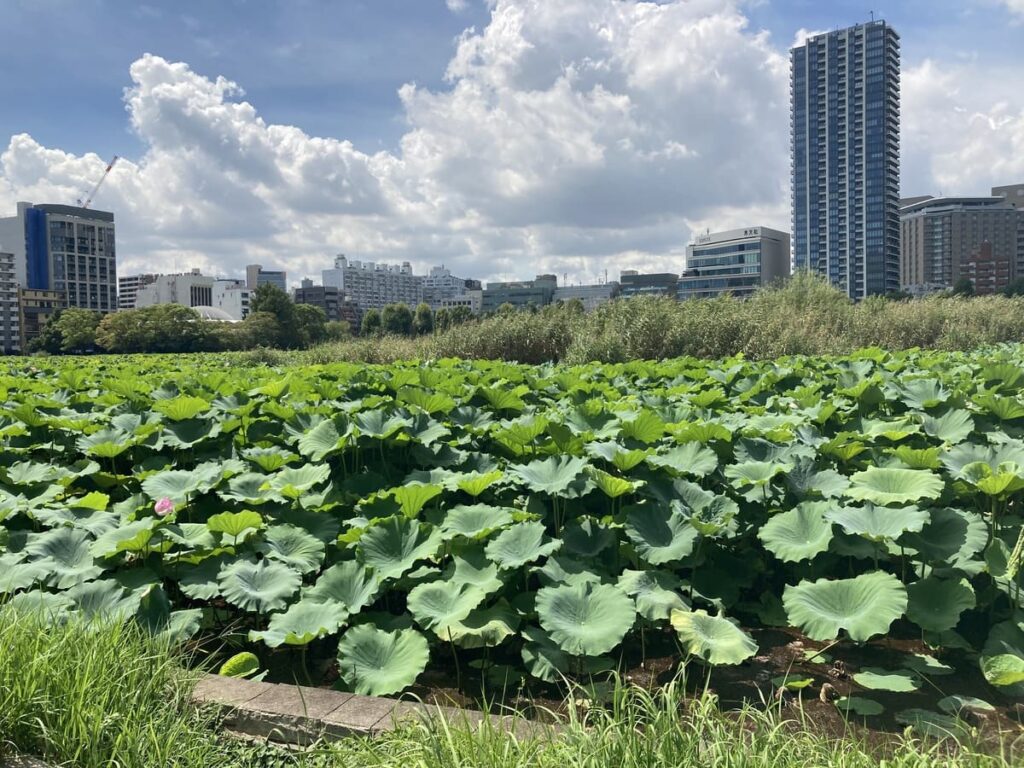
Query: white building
x=592 y=296
x=128 y=287
x=10 y=331
x=373 y=286
x=471 y=298
x=190 y=289
x=736 y=262
x=441 y=286
x=232 y=296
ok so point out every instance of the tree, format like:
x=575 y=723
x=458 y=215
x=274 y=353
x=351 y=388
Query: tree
x=1016 y=288
x=423 y=321
x=337 y=330
x=260 y=329
x=507 y=308
x=371 y=323
x=311 y=321
x=963 y=287
x=77 y=329
x=160 y=328
x=442 y=319
x=270 y=298
x=396 y=319
x=50 y=337
x=460 y=314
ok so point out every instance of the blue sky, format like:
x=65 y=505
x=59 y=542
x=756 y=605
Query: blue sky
x=565 y=139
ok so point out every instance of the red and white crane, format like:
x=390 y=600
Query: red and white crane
x=88 y=201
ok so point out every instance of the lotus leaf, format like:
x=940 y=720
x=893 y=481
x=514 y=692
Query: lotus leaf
x=474 y=521
x=661 y=534
x=393 y=546
x=935 y=604
x=585 y=619
x=375 y=662
x=521 y=544
x=553 y=475
x=887 y=485
x=292 y=546
x=798 y=534
x=302 y=623
x=435 y=605
x=898 y=681
x=715 y=639
x=260 y=587
x=350 y=583
x=864 y=606
x=878 y=523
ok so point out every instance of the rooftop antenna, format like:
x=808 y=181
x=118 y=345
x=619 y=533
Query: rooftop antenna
x=872 y=15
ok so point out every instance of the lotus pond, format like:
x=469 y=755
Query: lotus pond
x=511 y=526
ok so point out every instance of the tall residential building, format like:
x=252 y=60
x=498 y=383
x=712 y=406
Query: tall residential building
x=845 y=132
x=256 y=275
x=128 y=286
x=190 y=289
x=737 y=262
x=373 y=286
x=941 y=235
x=10 y=333
x=65 y=249
x=441 y=285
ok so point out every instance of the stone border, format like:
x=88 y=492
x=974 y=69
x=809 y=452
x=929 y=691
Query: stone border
x=297 y=714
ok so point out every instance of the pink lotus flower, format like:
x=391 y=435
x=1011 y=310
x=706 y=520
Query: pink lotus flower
x=164 y=507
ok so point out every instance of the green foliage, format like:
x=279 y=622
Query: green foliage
x=423 y=321
x=371 y=324
x=160 y=328
x=397 y=319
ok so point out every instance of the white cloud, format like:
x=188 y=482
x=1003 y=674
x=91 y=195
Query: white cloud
x=1015 y=6
x=456 y=5
x=574 y=136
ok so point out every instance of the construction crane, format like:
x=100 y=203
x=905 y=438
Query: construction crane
x=88 y=201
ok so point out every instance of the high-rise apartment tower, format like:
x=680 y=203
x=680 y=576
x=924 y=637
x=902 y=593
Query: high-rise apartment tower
x=845 y=133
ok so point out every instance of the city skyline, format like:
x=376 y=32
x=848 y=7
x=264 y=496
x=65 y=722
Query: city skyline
x=563 y=140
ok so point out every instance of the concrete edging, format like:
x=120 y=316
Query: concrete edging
x=297 y=714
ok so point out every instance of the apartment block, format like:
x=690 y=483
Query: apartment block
x=736 y=262
x=369 y=285
x=128 y=287
x=845 y=140
x=10 y=327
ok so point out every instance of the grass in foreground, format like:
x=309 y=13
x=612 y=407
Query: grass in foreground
x=108 y=694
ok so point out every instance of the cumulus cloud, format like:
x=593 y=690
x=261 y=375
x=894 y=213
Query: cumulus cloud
x=575 y=137
x=456 y=5
x=1015 y=7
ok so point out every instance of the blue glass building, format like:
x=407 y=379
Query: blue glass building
x=845 y=133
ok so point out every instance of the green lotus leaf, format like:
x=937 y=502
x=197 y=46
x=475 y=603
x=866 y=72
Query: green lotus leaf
x=618 y=455
x=67 y=553
x=181 y=408
x=878 y=523
x=956 y=704
x=51 y=606
x=472 y=566
x=476 y=483
x=258 y=587
x=175 y=484
x=935 y=604
x=302 y=623
x=127 y=537
x=104 y=599
x=350 y=583
x=542 y=657
x=858 y=706
x=431 y=402
x=1003 y=408
x=292 y=546
x=475 y=521
x=715 y=639
x=562 y=569
x=1003 y=669
x=201 y=581
x=375 y=662
x=234 y=524
x=661 y=534
x=922 y=394
x=888 y=485
x=806 y=480
x=864 y=606
x=320 y=442
x=933 y=724
x=647 y=427
x=585 y=619
x=392 y=546
x=187 y=434
x=484 y=627
x=587 y=538
x=951 y=536
x=269 y=459
x=753 y=474
x=655 y=593
x=952 y=427
x=437 y=604
x=246 y=488
x=241 y=664
x=378 y=425
x=552 y=475
x=412 y=497
x=798 y=534
x=927 y=665
x=105 y=444
x=610 y=485
x=1005 y=479
x=687 y=459
x=521 y=544
x=294 y=482
x=897 y=681
x=919 y=458
x=16 y=575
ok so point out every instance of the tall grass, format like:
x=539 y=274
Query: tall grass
x=803 y=316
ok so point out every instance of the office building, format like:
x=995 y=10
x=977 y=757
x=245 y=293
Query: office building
x=940 y=235
x=373 y=286
x=35 y=308
x=845 y=133
x=190 y=289
x=327 y=297
x=231 y=297
x=633 y=283
x=65 y=249
x=591 y=296
x=472 y=300
x=10 y=328
x=256 y=275
x=128 y=286
x=536 y=293
x=737 y=262
x=988 y=271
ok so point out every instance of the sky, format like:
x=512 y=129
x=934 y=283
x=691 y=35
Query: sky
x=501 y=138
